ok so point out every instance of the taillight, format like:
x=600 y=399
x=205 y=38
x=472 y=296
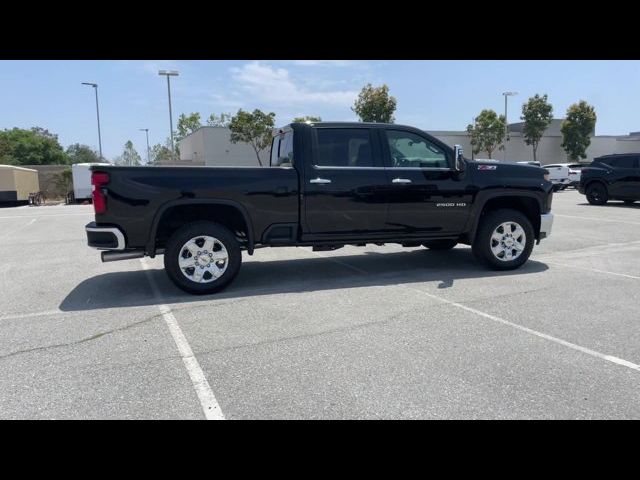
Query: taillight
x=99 y=180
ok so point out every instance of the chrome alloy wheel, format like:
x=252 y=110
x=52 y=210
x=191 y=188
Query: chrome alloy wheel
x=508 y=241
x=203 y=259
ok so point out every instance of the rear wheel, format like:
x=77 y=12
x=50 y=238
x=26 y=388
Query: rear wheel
x=597 y=194
x=504 y=239
x=440 y=244
x=202 y=257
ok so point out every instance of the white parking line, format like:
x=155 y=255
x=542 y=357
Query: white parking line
x=596 y=219
x=588 y=351
x=207 y=399
x=553 y=262
x=11 y=232
x=51 y=215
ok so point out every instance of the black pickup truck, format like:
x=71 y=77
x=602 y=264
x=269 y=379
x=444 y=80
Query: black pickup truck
x=611 y=177
x=328 y=185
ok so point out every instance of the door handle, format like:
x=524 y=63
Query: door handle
x=319 y=180
x=400 y=180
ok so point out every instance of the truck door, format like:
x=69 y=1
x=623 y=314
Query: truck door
x=626 y=178
x=345 y=183
x=426 y=195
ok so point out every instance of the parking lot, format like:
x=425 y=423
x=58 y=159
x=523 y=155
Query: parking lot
x=375 y=332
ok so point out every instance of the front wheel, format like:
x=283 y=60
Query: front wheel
x=202 y=257
x=504 y=239
x=597 y=194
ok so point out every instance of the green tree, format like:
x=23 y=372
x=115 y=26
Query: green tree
x=78 y=153
x=307 y=118
x=187 y=124
x=577 y=129
x=129 y=157
x=487 y=134
x=36 y=146
x=537 y=114
x=160 y=153
x=255 y=128
x=375 y=105
x=219 y=121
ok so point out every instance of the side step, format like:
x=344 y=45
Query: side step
x=114 y=256
x=326 y=248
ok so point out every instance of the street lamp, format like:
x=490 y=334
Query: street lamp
x=169 y=74
x=146 y=130
x=506 y=123
x=95 y=87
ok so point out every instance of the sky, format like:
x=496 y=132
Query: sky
x=432 y=95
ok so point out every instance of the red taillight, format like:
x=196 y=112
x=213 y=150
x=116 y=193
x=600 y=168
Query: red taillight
x=99 y=180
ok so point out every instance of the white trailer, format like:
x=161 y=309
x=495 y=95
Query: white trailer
x=82 y=180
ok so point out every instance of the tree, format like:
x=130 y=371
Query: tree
x=78 y=153
x=307 y=118
x=160 y=153
x=36 y=146
x=577 y=129
x=537 y=114
x=187 y=124
x=219 y=121
x=488 y=132
x=375 y=105
x=129 y=157
x=253 y=128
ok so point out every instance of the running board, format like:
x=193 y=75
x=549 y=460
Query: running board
x=114 y=256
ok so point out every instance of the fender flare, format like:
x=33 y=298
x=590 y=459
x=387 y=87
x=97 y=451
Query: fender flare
x=203 y=201
x=481 y=200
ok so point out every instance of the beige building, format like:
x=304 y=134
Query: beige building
x=211 y=146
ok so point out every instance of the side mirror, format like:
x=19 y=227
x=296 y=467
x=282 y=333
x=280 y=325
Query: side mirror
x=459 y=162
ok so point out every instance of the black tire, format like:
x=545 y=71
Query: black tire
x=482 y=244
x=597 y=194
x=173 y=251
x=556 y=188
x=440 y=244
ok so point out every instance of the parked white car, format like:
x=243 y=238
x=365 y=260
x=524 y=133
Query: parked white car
x=575 y=170
x=558 y=175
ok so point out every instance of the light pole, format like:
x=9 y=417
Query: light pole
x=169 y=74
x=146 y=130
x=95 y=87
x=506 y=123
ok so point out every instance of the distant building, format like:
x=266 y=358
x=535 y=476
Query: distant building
x=211 y=146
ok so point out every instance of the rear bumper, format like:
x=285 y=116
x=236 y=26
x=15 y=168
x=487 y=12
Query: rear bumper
x=104 y=238
x=546 y=222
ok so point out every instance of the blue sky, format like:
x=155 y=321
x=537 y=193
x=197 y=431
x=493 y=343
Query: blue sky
x=433 y=95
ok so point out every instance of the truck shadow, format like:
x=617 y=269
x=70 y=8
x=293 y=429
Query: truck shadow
x=268 y=277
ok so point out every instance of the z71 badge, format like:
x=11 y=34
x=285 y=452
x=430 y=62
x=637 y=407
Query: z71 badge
x=487 y=167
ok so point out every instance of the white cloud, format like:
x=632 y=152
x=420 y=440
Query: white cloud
x=275 y=86
x=323 y=63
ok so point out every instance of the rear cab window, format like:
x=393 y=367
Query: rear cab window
x=282 y=150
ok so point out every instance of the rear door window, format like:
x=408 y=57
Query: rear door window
x=623 y=162
x=282 y=150
x=344 y=147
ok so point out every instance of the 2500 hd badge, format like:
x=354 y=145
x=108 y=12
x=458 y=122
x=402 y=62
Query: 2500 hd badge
x=459 y=204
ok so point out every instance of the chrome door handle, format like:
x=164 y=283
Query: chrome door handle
x=400 y=180
x=320 y=180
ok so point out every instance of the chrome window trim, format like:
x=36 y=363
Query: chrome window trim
x=438 y=169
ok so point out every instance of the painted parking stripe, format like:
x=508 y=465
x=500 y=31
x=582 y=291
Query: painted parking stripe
x=551 y=338
x=11 y=232
x=596 y=270
x=208 y=401
x=50 y=215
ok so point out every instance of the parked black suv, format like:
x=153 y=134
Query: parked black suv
x=329 y=185
x=612 y=177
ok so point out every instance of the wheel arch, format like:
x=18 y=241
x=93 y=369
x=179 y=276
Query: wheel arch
x=200 y=210
x=527 y=203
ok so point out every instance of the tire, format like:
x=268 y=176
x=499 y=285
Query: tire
x=556 y=188
x=597 y=194
x=485 y=243
x=440 y=244
x=225 y=247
